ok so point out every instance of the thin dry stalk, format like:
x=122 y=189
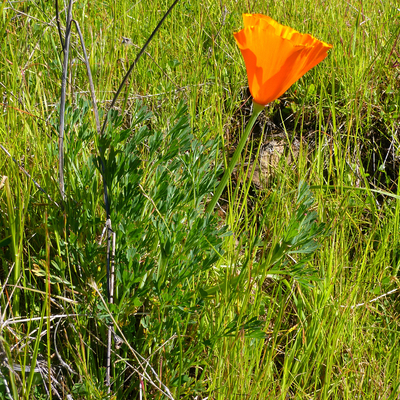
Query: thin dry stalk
x=110 y=274
x=143 y=363
x=62 y=362
x=111 y=301
x=371 y=301
x=59 y=24
x=62 y=100
x=122 y=85
x=8 y=392
x=89 y=72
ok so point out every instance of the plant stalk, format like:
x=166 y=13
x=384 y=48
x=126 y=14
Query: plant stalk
x=257 y=108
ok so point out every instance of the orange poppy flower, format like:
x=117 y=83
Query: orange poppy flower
x=275 y=55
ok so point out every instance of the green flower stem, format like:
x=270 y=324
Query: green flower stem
x=257 y=108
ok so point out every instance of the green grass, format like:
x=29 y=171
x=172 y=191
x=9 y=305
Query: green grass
x=237 y=304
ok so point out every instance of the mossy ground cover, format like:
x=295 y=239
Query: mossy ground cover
x=285 y=291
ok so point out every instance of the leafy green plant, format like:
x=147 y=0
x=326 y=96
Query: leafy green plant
x=252 y=310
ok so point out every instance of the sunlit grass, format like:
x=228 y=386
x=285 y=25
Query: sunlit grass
x=322 y=338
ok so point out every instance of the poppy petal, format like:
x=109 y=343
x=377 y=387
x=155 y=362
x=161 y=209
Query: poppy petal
x=275 y=55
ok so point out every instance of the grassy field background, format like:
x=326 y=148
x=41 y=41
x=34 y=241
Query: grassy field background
x=289 y=291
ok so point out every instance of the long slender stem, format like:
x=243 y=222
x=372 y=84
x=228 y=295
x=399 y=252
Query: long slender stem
x=111 y=274
x=59 y=25
x=257 y=108
x=62 y=101
x=142 y=50
x=89 y=73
